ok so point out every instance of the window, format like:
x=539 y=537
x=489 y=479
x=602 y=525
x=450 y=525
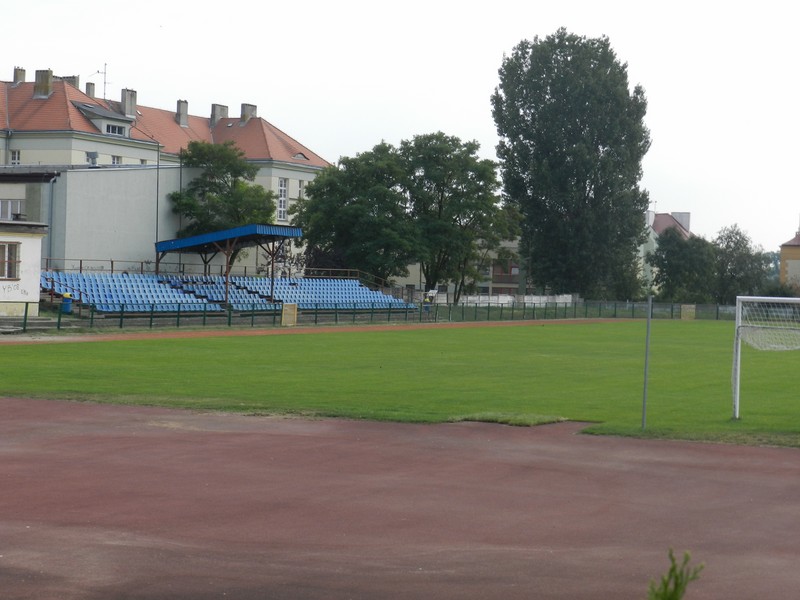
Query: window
x=9 y=261
x=15 y=157
x=115 y=129
x=142 y=161
x=301 y=186
x=9 y=208
x=116 y=160
x=283 y=197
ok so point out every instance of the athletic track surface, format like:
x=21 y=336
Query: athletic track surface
x=117 y=502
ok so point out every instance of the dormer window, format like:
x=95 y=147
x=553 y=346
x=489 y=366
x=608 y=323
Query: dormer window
x=115 y=129
x=300 y=156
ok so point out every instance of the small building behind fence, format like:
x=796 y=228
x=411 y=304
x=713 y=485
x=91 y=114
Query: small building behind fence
x=20 y=266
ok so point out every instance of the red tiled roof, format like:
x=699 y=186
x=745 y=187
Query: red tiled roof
x=664 y=221
x=795 y=241
x=258 y=139
x=154 y=123
x=23 y=112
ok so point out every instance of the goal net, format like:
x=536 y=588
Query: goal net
x=765 y=324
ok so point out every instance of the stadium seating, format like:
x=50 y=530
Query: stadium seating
x=116 y=292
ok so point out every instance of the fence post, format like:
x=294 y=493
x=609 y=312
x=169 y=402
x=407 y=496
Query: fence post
x=25 y=318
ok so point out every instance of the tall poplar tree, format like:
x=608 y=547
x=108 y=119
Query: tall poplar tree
x=572 y=140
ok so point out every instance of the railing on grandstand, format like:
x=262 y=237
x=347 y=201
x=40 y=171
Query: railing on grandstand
x=82 y=265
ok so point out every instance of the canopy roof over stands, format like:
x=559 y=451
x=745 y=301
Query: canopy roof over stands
x=230 y=242
x=236 y=238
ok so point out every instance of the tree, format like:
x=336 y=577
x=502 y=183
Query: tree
x=354 y=216
x=742 y=269
x=432 y=201
x=684 y=268
x=572 y=140
x=451 y=195
x=220 y=197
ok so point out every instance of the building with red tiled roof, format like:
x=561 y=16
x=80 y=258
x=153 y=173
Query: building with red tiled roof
x=99 y=172
x=53 y=105
x=790 y=261
x=657 y=224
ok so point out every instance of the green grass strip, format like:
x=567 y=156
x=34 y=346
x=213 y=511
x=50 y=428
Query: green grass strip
x=523 y=375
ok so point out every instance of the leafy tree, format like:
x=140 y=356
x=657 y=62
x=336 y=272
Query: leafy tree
x=684 y=268
x=572 y=140
x=220 y=197
x=354 y=216
x=432 y=201
x=451 y=195
x=742 y=269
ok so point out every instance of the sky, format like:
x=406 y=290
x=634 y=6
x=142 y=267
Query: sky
x=721 y=79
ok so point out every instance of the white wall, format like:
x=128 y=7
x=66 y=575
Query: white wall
x=26 y=288
x=105 y=214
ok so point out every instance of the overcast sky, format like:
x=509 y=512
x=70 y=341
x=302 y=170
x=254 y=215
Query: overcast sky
x=721 y=78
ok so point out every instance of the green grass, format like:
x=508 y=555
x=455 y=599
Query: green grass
x=521 y=375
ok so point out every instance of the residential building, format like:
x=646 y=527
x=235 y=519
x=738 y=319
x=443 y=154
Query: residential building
x=99 y=172
x=657 y=224
x=790 y=261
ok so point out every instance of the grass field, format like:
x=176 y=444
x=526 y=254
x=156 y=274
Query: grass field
x=524 y=374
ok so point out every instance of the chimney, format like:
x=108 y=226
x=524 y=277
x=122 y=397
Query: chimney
x=73 y=80
x=44 y=84
x=249 y=111
x=182 y=113
x=90 y=89
x=684 y=218
x=19 y=75
x=129 y=103
x=218 y=112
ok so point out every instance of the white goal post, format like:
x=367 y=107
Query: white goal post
x=765 y=324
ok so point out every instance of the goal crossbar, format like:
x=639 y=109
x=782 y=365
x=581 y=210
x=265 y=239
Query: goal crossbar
x=765 y=323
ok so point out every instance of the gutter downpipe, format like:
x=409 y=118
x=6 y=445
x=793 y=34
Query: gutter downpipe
x=50 y=217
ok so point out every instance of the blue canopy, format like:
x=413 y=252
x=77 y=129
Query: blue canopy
x=238 y=237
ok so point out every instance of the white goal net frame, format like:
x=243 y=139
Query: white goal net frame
x=765 y=324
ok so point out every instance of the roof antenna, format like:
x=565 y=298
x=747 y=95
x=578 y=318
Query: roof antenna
x=104 y=72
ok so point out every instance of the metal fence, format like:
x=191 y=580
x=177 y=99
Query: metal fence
x=54 y=314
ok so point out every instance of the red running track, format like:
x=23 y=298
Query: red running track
x=104 y=502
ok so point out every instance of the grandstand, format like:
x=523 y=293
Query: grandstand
x=117 y=292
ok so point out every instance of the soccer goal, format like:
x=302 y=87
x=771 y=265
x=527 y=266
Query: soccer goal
x=765 y=324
